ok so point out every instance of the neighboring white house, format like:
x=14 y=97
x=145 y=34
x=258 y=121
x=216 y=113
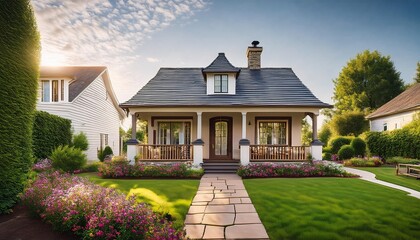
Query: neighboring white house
x=84 y=95
x=223 y=114
x=397 y=112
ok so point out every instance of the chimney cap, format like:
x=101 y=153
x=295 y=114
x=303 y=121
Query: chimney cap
x=255 y=43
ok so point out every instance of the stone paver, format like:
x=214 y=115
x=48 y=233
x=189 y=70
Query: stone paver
x=368 y=176
x=222 y=209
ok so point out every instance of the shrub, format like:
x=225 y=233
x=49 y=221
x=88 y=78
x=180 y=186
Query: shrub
x=19 y=68
x=80 y=141
x=102 y=154
x=346 y=152
x=91 y=167
x=317 y=169
x=68 y=158
x=362 y=162
x=359 y=146
x=49 y=132
x=327 y=156
x=337 y=142
x=71 y=203
x=396 y=160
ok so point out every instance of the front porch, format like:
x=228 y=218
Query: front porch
x=220 y=134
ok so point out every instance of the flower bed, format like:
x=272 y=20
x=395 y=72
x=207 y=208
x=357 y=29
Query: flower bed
x=71 y=203
x=122 y=169
x=363 y=162
x=316 y=169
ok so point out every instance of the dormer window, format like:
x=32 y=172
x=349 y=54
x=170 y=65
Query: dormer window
x=53 y=90
x=221 y=83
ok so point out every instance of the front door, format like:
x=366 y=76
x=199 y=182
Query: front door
x=221 y=138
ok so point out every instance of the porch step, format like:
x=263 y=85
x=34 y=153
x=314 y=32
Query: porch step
x=220 y=167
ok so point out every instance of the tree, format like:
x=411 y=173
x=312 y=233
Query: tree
x=306 y=133
x=349 y=123
x=19 y=69
x=366 y=83
x=325 y=133
x=417 y=77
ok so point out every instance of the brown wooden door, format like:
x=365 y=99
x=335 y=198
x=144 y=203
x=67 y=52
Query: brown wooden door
x=221 y=138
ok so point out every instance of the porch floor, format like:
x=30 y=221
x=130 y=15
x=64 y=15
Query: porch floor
x=222 y=209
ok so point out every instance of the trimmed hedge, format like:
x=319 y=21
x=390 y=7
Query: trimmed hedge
x=337 y=142
x=400 y=142
x=359 y=146
x=346 y=152
x=19 y=69
x=50 y=131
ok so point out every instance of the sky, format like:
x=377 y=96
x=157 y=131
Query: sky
x=316 y=39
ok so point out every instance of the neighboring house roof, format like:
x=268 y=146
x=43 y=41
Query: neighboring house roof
x=82 y=77
x=221 y=65
x=278 y=87
x=406 y=101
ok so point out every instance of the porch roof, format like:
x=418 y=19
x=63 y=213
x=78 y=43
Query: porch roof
x=277 y=87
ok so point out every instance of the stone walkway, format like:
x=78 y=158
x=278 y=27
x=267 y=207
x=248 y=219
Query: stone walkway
x=222 y=209
x=368 y=176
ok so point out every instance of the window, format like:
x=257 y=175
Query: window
x=272 y=132
x=52 y=90
x=221 y=83
x=103 y=140
x=385 y=126
x=174 y=133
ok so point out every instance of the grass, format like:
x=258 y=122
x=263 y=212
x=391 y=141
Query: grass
x=165 y=196
x=333 y=208
x=387 y=174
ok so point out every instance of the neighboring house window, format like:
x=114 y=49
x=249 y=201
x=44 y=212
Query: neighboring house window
x=171 y=133
x=104 y=140
x=221 y=83
x=272 y=133
x=385 y=126
x=52 y=90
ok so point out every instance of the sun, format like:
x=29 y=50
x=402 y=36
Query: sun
x=52 y=59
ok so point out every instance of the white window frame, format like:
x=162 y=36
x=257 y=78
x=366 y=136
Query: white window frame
x=62 y=85
x=221 y=83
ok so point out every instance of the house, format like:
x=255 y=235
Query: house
x=397 y=112
x=84 y=95
x=222 y=113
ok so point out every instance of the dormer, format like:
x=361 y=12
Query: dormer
x=221 y=76
x=54 y=90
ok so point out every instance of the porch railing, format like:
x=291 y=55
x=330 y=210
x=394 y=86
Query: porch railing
x=278 y=153
x=165 y=152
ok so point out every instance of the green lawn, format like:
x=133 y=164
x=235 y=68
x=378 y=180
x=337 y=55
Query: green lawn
x=387 y=174
x=333 y=208
x=166 y=196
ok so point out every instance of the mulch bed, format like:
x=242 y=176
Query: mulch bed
x=20 y=225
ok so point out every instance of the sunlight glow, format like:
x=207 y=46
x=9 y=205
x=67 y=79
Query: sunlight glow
x=52 y=59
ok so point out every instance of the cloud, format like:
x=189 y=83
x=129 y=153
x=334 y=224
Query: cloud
x=105 y=32
x=152 y=60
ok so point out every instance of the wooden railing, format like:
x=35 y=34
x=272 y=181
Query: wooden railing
x=165 y=152
x=275 y=152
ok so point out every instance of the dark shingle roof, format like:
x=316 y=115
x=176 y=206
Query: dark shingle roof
x=264 y=87
x=406 y=101
x=220 y=65
x=83 y=76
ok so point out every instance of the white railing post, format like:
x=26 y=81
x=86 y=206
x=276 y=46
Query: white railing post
x=316 y=145
x=198 y=143
x=132 y=148
x=244 y=143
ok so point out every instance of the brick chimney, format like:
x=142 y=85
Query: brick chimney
x=253 y=54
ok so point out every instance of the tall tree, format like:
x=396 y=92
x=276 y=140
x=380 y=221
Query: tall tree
x=417 y=77
x=19 y=69
x=366 y=83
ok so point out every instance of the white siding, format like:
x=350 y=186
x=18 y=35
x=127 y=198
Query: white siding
x=231 y=84
x=93 y=113
x=395 y=121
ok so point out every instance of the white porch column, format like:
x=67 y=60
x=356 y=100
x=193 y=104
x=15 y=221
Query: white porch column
x=244 y=143
x=316 y=145
x=132 y=143
x=198 y=143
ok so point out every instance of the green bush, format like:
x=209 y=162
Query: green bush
x=19 y=69
x=403 y=142
x=361 y=162
x=102 y=154
x=326 y=156
x=49 y=132
x=91 y=167
x=68 y=158
x=396 y=160
x=346 y=152
x=349 y=123
x=337 y=142
x=359 y=146
x=80 y=141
